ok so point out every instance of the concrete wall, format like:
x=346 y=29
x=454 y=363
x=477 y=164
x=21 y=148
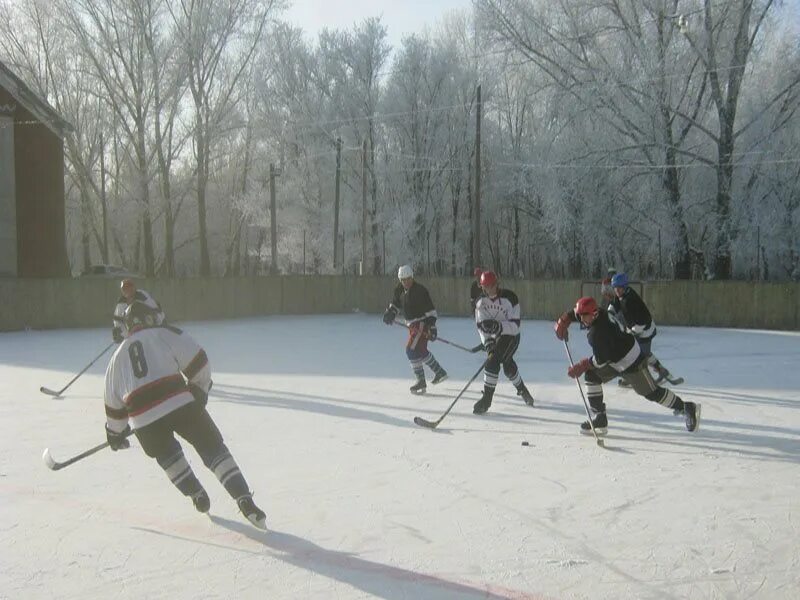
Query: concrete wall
x=86 y=302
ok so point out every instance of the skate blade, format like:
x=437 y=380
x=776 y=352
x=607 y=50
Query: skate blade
x=697 y=412
x=258 y=523
x=601 y=431
x=418 y=392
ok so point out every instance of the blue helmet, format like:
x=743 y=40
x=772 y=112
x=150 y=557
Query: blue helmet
x=619 y=280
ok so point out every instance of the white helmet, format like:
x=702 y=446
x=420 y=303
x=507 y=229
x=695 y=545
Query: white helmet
x=405 y=272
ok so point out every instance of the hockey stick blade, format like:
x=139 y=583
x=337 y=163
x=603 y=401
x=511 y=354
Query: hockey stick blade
x=49 y=461
x=54 y=465
x=49 y=392
x=425 y=423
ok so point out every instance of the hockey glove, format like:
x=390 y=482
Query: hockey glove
x=489 y=345
x=118 y=441
x=199 y=395
x=490 y=326
x=389 y=315
x=562 y=327
x=430 y=328
x=116 y=335
x=579 y=368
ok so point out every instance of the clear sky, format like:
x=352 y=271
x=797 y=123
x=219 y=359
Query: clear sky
x=401 y=17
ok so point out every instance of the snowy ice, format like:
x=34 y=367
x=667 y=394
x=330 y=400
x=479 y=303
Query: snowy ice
x=361 y=503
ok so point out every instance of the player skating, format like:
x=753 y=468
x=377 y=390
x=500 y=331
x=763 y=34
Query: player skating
x=157 y=383
x=497 y=315
x=616 y=353
x=129 y=293
x=639 y=322
x=413 y=299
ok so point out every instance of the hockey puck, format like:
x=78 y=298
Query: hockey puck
x=525 y=444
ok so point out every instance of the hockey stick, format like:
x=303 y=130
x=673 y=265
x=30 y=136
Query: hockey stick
x=441 y=339
x=54 y=465
x=600 y=442
x=434 y=424
x=50 y=392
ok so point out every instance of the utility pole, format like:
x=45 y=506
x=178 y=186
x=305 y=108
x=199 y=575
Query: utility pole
x=364 y=207
x=476 y=214
x=336 y=201
x=103 y=197
x=273 y=225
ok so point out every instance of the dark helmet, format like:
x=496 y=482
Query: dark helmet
x=619 y=280
x=139 y=316
x=488 y=279
x=585 y=306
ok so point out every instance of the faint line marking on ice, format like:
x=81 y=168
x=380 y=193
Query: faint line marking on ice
x=568 y=562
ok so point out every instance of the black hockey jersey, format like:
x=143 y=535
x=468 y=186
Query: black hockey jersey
x=415 y=303
x=635 y=314
x=610 y=344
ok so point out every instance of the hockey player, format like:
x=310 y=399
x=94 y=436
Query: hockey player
x=615 y=353
x=157 y=383
x=497 y=316
x=414 y=300
x=637 y=319
x=475 y=289
x=129 y=293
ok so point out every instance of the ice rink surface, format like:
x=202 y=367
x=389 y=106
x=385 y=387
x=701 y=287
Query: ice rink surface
x=361 y=503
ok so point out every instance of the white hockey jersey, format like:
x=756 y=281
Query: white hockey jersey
x=145 y=378
x=145 y=298
x=504 y=309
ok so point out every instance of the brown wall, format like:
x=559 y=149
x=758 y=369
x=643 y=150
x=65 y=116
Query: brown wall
x=39 y=173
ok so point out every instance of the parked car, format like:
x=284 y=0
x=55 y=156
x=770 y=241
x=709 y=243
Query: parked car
x=109 y=271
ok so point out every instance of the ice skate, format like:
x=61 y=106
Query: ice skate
x=600 y=423
x=201 y=501
x=523 y=392
x=691 y=414
x=623 y=383
x=418 y=388
x=439 y=377
x=482 y=405
x=254 y=514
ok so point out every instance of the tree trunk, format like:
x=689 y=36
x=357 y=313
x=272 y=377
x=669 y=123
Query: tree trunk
x=202 y=179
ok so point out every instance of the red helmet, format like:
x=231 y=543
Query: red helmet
x=585 y=306
x=127 y=284
x=488 y=279
x=477 y=272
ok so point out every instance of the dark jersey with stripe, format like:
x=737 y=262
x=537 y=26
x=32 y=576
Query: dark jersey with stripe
x=415 y=302
x=610 y=343
x=635 y=313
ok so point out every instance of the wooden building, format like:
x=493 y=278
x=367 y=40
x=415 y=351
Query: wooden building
x=32 y=201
